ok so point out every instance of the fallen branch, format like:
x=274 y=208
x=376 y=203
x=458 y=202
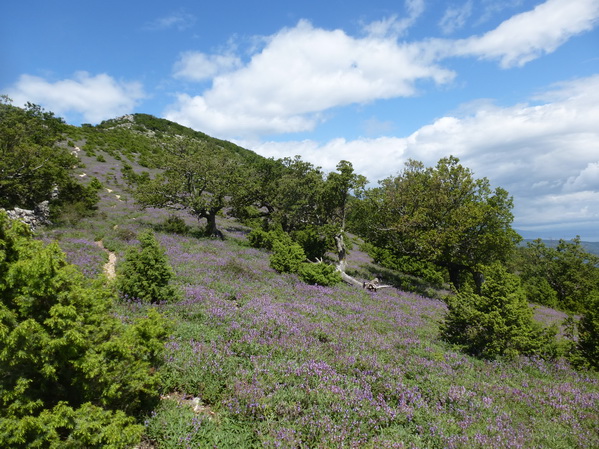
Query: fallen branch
x=372 y=286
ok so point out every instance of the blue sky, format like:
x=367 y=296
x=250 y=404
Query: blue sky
x=510 y=87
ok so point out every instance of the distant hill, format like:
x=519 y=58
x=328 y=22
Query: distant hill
x=591 y=247
x=141 y=139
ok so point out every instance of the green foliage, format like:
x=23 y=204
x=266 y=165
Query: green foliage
x=588 y=334
x=73 y=375
x=315 y=241
x=77 y=201
x=498 y=322
x=145 y=274
x=442 y=215
x=31 y=166
x=259 y=238
x=539 y=291
x=174 y=225
x=62 y=426
x=175 y=422
x=198 y=177
x=562 y=277
x=286 y=256
x=319 y=273
x=133 y=178
x=427 y=271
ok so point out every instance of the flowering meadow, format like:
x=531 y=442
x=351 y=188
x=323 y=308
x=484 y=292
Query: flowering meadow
x=261 y=360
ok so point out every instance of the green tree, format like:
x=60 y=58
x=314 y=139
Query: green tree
x=198 y=177
x=34 y=169
x=443 y=215
x=145 y=274
x=335 y=203
x=73 y=374
x=31 y=166
x=297 y=194
x=498 y=322
x=562 y=277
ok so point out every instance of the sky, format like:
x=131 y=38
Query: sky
x=509 y=87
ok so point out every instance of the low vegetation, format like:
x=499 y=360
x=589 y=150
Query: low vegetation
x=228 y=324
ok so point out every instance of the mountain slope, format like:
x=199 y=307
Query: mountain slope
x=258 y=359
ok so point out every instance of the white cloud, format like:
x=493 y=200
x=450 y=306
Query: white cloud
x=374 y=158
x=394 y=26
x=528 y=35
x=196 y=66
x=586 y=180
x=301 y=72
x=455 y=17
x=96 y=98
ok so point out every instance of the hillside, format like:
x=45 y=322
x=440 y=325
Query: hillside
x=259 y=359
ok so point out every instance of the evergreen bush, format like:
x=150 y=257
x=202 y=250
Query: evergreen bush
x=588 y=334
x=260 y=238
x=319 y=273
x=73 y=374
x=313 y=242
x=174 y=225
x=498 y=322
x=286 y=256
x=145 y=274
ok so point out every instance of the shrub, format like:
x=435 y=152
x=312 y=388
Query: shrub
x=405 y=264
x=313 y=242
x=73 y=374
x=498 y=322
x=319 y=273
x=286 y=256
x=539 y=291
x=145 y=274
x=174 y=225
x=588 y=334
x=259 y=238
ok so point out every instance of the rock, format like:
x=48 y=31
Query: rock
x=33 y=218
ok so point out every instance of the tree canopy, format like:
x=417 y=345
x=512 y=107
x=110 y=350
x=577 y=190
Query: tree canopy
x=31 y=166
x=444 y=215
x=198 y=177
x=563 y=276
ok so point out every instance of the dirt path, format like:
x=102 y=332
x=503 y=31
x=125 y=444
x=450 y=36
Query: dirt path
x=109 y=267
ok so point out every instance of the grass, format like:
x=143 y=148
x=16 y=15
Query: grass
x=262 y=360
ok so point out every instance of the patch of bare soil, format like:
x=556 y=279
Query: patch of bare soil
x=110 y=266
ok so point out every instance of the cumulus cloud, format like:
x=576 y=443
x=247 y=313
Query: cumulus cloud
x=301 y=72
x=528 y=35
x=545 y=154
x=95 y=98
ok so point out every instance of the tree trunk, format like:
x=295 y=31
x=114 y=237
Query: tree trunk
x=211 y=229
x=341 y=251
x=479 y=280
